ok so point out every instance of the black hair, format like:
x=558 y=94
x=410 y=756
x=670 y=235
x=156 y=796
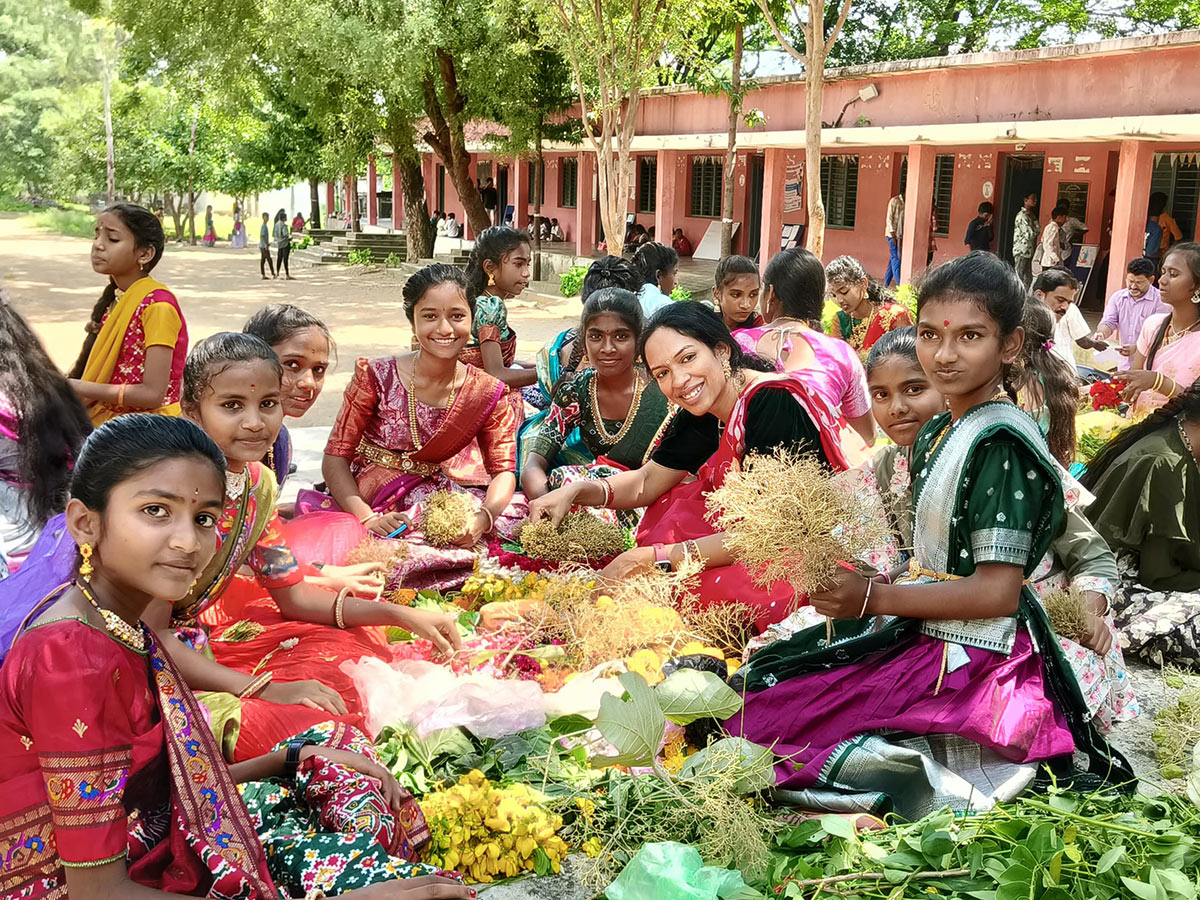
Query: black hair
x=279 y=321
x=1191 y=255
x=980 y=278
x=281 y=216
x=1059 y=211
x=1157 y=204
x=797 y=278
x=615 y=300
x=610 y=271
x=845 y=270
x=434 y=274
x=901 y=342
x=732 y=266
x=128 y=444
x=147 y=233
x=1058 y=383
x=1141 y=266
x=51 y=421
x=984 y=208
x=1054 y=278
x=697 y=321
x=215 y=354
x=492 y=245
x=653 y=258
x=1185 y=406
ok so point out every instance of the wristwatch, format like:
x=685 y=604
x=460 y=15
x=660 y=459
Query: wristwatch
x=291 y=760
x=661 y=558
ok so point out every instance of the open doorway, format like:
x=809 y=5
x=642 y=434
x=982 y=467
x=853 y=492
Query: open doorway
x=754 y=204
x=1021 y=176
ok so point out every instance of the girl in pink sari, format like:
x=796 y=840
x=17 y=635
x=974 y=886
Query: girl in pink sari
x=792 y=296
x=729 y=406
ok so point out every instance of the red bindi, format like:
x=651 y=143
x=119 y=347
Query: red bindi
x=945 y=323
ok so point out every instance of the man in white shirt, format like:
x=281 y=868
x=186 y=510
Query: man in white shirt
x=453 y=229
x=1053 y=247
x=894 y=232
x=1056 y=288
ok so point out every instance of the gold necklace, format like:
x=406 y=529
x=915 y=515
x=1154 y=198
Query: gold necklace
x=132 y=636
x=1176 y=333
x=412 y=402
x=600 y=431
x=1000 y=394
x=858 y=333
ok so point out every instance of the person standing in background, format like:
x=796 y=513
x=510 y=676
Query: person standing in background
x=298 y=224
x=283 y=242
x=490 y=199
x=981 y=231
x=238 y=239
x=210 y=232
x=1128 y=309
x=894 y=232
x=1025 y=235
x=1169 y=231
x=1052 y=246
x=264 y=248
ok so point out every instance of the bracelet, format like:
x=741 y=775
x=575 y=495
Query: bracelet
x=121 y=395
x=337 y=607
x=692 y=550
x=491 y=519
x=291 y=759
x=1174 y=387
x=1158 y=379
x=369 y=517
x=867 y=598
x=608 y=493
x=256 y=685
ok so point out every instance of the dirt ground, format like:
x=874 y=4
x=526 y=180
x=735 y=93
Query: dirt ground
x=50 y=280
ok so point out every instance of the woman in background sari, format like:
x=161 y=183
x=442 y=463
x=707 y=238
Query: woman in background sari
x=133 y=356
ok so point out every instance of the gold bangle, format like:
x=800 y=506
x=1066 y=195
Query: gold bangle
x=491 y=519
x=121 y=395
x=369 y=517
x=1157 y=382
x=337 y=607
x=255 y=686
x=607 y=487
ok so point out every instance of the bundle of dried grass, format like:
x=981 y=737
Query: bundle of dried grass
x=786 y=519
x=245 y=630
x=726 y=625
x=446 y=515
x=1066 y=613
x=580 y=537
x=377 y=549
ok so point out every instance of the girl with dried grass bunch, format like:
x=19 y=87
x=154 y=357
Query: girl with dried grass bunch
x=731 y=405
x=404 y=422
x=961 y=657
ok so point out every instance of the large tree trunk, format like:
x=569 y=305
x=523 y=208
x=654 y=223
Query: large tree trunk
x=314 y=202
x=814 y=89
x=445 y=136
x=735 y=109
x=418 y=235
x=539 y=180
x=110 y=163
x=173 y=212
x=192 y=179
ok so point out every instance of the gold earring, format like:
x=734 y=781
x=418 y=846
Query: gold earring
x=192 y=589
x=491 y=280
x=85 y=567
x=726 y=368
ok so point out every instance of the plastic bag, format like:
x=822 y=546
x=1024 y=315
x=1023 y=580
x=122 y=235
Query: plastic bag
x=671 y=871
x=430 y=697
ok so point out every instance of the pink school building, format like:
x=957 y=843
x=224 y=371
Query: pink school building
x=1099 y=126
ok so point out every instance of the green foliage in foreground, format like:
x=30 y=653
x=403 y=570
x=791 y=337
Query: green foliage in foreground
x=679 y=292
x=570 y=282
x=360 y=257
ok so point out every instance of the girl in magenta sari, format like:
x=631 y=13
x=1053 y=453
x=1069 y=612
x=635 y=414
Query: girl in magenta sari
x=110 y=777
x=404 y=422
x=729 y=406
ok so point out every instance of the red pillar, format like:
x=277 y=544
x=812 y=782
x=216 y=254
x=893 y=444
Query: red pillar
x=666 y=194
x=518 y=192
x=1134 y=169
x=774 y=178
x=585 y=204
x=349 y=199
x=918 y=209
x=372 y=192
x=329 y=202
x=397 y=196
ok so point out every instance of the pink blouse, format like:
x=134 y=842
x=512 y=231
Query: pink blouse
x=838 y=375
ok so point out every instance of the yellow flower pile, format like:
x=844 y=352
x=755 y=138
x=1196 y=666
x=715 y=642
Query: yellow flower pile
x=481 y=588
x=648 y=661
x=487 y=832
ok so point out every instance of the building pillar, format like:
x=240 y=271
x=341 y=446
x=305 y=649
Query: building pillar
x=666 y=193
x=774 y=178
x=518 y=192
x=329 y=203
x=918 y=210
x=585 y=204
x=372 y=192
x=1134 y=170
x=350 y=190
x=397 y=195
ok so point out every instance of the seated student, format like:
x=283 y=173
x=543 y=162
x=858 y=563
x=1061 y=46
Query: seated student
x=731 y=404
x=866 y=310
x=556 y=232
x=1056 y=287
x=736 y=293
x=680 y=243
x=792 y=298
x=949 y=689
x=1127 y=310
x=105 y=747
x=618 y=412
x=658 y=265
x=453 y=228
x=635 y=236
x=980 y=231
x=1146 y=484
x=42 y=426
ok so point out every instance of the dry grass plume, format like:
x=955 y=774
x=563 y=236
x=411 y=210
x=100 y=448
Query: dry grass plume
x=580 y=537
x=446 y=515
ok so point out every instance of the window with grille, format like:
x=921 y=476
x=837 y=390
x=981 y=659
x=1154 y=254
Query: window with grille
x=532 y=174
x=647 y=184
x=568 y=195
x=706 y=187
x=943 y=183
x=441 y=187
x=839 y=190
x=1178 y=176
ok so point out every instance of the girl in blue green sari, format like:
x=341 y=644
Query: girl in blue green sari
x=950 y=688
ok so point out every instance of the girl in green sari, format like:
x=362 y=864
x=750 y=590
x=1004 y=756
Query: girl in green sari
x=949 y=688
